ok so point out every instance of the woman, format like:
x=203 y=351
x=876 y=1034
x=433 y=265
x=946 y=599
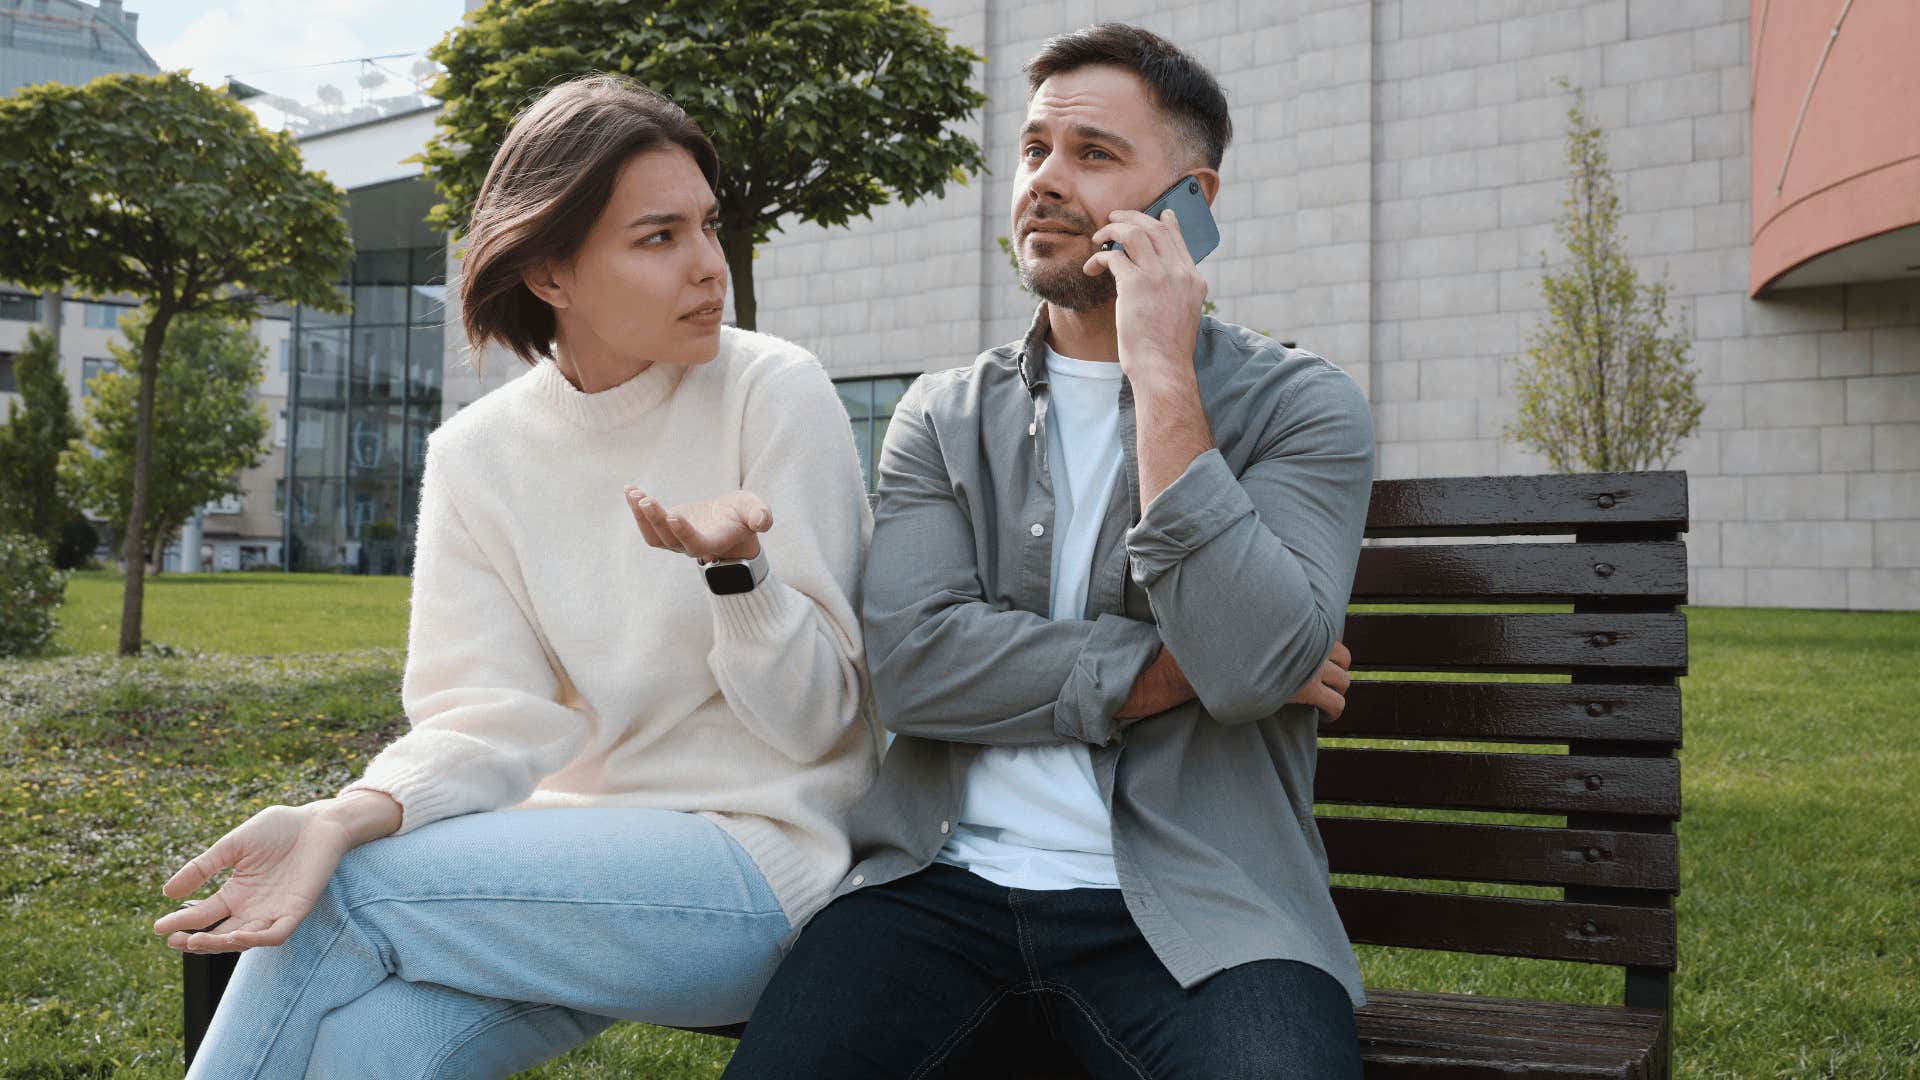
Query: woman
x=633 y=626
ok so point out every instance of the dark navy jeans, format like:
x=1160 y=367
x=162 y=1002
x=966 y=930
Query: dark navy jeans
x=945 y=974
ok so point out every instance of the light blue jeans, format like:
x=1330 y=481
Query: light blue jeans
x=482 y=945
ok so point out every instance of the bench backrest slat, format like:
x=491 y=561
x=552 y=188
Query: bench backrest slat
x=1505 y=854
x=1513 y=783
x=1509 y=712
x=1522 y=573
x=1501 y=926
x=1552 y=642
x=1501 y=505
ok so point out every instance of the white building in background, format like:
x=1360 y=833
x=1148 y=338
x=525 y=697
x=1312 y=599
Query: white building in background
x=1396 y=170
x=240 y=532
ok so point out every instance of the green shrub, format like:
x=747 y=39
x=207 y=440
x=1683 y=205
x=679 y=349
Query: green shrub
x=30 y=588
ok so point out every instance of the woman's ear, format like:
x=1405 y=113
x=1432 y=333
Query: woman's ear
x=548 y=281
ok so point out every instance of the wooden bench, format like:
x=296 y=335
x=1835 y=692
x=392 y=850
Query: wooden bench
x=1615 y=862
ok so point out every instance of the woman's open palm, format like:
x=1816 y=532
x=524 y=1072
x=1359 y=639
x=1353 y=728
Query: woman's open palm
x=722 y=528
x=282 y=858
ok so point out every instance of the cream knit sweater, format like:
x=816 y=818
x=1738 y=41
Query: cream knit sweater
x=555 y=660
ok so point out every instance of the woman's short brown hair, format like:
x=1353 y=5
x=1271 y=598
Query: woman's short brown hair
x=547 y=185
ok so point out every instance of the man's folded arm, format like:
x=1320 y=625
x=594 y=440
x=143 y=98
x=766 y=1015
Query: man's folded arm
x=1249 y=576
x=946 y=664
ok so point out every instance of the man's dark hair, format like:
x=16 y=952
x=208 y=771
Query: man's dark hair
x=1185 y=91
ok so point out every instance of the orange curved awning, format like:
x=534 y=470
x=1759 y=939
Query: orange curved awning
x=1836 y=192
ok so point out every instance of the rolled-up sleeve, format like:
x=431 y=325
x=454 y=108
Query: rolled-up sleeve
x=1249 y=576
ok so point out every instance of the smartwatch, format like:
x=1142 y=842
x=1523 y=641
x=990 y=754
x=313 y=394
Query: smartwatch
x=731 y=577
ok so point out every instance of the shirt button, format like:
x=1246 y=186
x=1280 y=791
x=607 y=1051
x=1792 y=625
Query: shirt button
x=946 y=827
x=859 y=879
x=1038 y=529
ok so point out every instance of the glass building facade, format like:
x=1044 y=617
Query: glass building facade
x=364 y=392
x=869 y=404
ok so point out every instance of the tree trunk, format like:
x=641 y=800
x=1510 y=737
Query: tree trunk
x=134 y=549
x=737 y=242
x=51 y=319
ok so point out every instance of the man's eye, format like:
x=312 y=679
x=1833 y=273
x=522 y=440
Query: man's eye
x=658 y=238
x=713 y=225
x=1102 y=153
x=1031 y=150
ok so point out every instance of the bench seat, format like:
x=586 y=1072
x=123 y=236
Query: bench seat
x=1461 y=1036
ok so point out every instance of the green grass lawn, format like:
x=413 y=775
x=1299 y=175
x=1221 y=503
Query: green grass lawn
x=1801 y=892
x=249 y=614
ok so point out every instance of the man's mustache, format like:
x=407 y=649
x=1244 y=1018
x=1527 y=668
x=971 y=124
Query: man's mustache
x=1060 y=217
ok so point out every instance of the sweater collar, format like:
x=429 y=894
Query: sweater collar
x=610 y=408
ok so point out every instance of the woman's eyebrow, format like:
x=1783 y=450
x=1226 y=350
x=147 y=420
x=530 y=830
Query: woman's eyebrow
x=667 y=217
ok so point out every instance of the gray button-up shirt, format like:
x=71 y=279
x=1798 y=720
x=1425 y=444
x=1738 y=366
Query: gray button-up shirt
x=1241 y=568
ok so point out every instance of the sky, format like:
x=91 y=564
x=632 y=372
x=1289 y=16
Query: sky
x=217 y=38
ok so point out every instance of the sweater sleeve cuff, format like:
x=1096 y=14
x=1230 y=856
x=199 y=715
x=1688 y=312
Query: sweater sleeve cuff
x=757 y=615
x=1115 y=654
x=1200 y=505
x=422 y=802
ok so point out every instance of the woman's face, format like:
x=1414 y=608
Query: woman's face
x=648 y=283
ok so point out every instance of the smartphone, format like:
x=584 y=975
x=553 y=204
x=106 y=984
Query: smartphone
x=1189 y=204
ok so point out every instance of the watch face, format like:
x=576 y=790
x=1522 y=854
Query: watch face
x=729 y=579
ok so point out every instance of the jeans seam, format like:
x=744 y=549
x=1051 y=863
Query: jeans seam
x=588 y=901
x=967 y=1026
x=313 y=972
x=460 y=1039
x=1025 y=936
x=1106 y=1034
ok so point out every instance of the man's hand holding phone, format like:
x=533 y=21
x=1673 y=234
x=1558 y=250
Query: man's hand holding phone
x=1157 y=314
x=1158 y=297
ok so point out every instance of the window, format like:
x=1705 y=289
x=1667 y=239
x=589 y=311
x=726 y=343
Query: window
x=104 y=316
x=91 y=366
x=280 y=496
x=869 y=404
x=8 y=384
x=280 y=423
x=286 y=354
x=226 y=504
x=312 y=433
x=24 y=307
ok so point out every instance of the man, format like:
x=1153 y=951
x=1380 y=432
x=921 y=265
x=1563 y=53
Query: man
x=1109 y=566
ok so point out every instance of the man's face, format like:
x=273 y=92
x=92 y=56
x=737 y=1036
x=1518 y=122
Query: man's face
x=1094 y=142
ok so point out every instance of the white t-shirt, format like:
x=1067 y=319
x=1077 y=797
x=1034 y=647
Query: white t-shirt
x=1032 y=816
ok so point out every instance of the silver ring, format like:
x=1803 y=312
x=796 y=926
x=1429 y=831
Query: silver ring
x=188 y=903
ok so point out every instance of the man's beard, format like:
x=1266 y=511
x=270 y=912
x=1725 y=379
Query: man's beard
x=1065 y=285
x=1061 y=284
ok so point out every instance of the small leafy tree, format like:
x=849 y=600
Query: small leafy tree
x=1604 y=387
x=31 y=502
x=30 y=590
x=819 y=111
x=207 y=428
x=166 y=189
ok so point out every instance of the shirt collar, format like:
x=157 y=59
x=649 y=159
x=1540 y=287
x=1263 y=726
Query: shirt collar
x=1033 y=350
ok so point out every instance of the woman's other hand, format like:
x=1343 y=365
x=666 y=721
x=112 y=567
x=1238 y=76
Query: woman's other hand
x=282 y=858
x=728 y=527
